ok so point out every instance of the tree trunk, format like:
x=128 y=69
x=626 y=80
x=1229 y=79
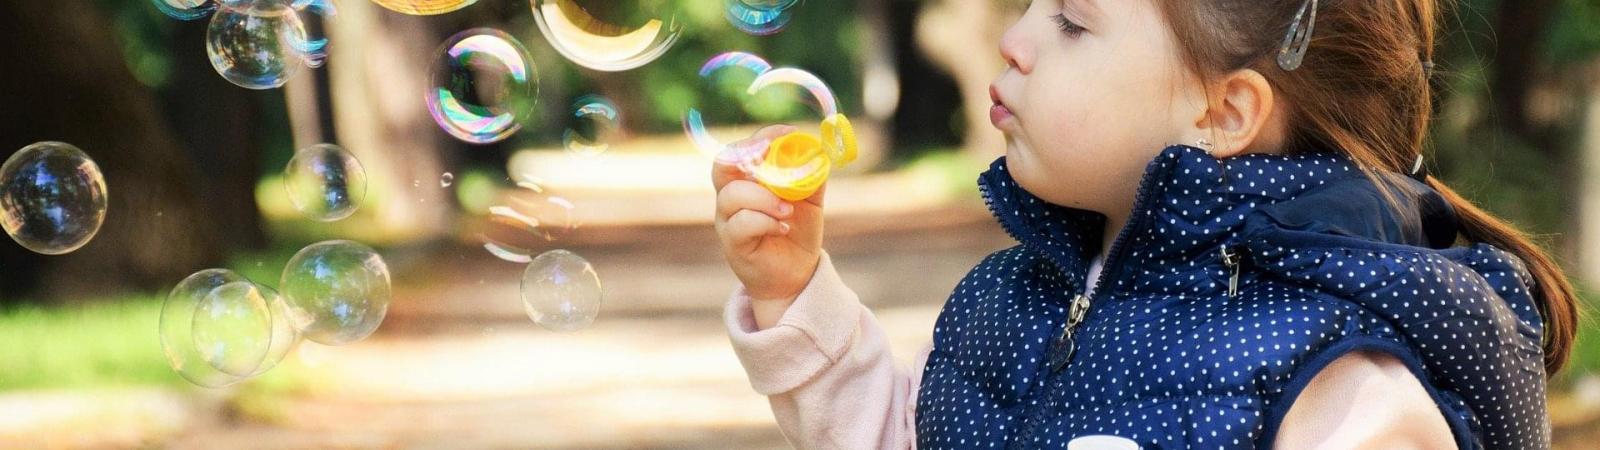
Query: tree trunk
x=1520 y=32
x=65 y=80
x=378 y=69
x=962 y=36
x=1588 y=192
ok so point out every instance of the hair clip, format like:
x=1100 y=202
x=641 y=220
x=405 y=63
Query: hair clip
x=1298 y=39
x=1417 y=171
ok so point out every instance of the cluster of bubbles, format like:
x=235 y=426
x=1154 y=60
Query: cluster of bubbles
x=52 y=198
x=760 y=17
x=219 y=328
x=256 y=44
x=560 y=290
x=792 y=166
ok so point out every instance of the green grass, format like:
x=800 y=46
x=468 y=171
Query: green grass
x=109 y=343
x=106 y=342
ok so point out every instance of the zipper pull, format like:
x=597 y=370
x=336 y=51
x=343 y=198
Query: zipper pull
x=1064 y=345
x=1231 y=259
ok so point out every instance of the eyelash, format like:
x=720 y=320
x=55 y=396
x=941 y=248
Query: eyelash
x=1066 y=25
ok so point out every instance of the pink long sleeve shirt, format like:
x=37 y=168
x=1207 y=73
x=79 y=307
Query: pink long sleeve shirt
x=827 y=370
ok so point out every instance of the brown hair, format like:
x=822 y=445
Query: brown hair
x=1363 y=89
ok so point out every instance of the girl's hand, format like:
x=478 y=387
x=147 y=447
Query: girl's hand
x=772 y=245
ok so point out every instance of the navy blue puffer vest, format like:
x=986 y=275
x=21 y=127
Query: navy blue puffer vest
x=1168 y=355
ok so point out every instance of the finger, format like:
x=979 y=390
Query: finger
x=816 y=197
x=747 y=195
x=746 y=226
x=722 y=173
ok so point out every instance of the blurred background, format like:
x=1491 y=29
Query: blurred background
x=195 y=167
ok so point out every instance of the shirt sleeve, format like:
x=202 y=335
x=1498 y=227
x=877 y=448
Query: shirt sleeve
x=827 y=370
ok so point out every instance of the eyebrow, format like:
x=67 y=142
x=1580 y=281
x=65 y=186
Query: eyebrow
x=1090 y=8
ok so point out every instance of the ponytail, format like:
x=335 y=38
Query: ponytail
x=1552 y=292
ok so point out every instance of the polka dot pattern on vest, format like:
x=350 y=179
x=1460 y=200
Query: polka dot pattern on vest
x=1168 y=358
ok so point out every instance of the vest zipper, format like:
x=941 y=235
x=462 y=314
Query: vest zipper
x=1060 y=351
x=1231 y=259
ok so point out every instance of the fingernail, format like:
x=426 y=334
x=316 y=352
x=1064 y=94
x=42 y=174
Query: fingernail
x=784 y=209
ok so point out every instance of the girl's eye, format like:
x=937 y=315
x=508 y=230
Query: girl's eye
x=1066 y=25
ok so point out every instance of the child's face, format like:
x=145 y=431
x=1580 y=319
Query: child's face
x=1094 y=89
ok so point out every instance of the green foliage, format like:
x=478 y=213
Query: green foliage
x=1574 y=37
x=105 y=343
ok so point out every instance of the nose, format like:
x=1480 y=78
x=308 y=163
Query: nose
x=1015 y=50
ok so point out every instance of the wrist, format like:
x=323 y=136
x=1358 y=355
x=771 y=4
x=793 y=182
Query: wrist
x=768 y=307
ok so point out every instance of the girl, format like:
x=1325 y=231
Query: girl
x=1285 y=275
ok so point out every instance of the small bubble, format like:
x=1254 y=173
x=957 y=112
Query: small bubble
x=561 y=291
x=325 y=182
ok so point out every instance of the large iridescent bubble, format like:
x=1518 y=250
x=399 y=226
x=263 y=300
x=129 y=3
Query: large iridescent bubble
x=260 y=49
x=759 y=17
x=609 y=35
x=325 y=182
x=484 y=86
x=561 y=291
x=52 y=198
x=338 y=291
x=730 y=72
x=185 y=9
x=424 y=7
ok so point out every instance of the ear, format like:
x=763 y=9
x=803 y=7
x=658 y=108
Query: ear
x=1241 y=115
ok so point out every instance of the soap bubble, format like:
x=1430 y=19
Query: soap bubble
x=52 y=198
x=727 y=76
x=337 y=291
x=424 y=7
x=609 y=35
x=821 y=98
x=530 y=212
x=258 y=49
x=325 y=182
x=595 y=125
x=768 y=4
x=177 y=327
x=185 y=9
x=561 y=291
x=284 y=335
x=259 y=6
x=484 y=86
x=232 y=328
x=759 y=17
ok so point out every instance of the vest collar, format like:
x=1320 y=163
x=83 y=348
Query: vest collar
x=1189 y=204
